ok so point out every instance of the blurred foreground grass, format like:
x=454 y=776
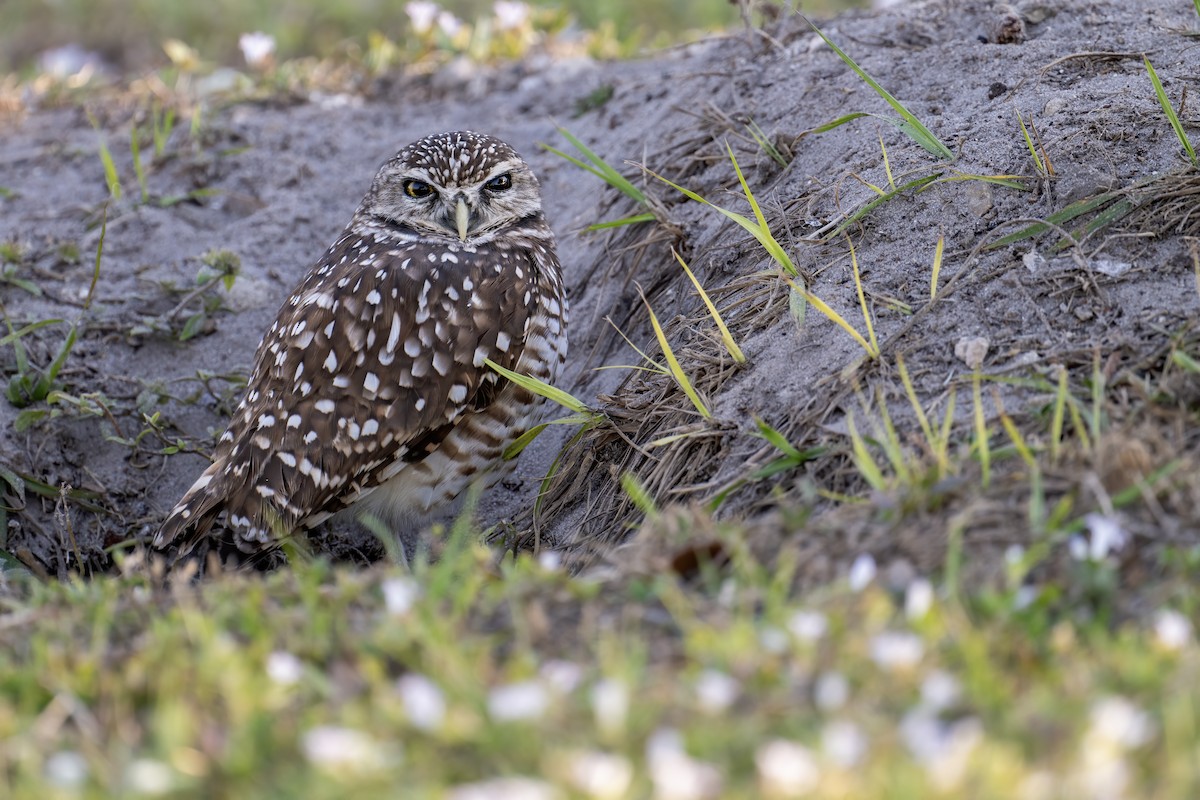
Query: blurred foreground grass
x=466 y=679
x=129 y=33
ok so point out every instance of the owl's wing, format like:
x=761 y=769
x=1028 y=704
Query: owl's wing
x=370 y=362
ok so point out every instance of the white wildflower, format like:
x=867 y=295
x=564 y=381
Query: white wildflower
x=939 y=690
x=66 y=769
x=843 y=743
x=808 y=626
x=421 y=15
x=257 y=48
x=862 y=572
x=831 y=691
x=715 y=691
x=772 y=640
x=399 y=595
x=424 y=704
x=786 y=769
x=510 y=15
x=515 y=702
x=1106 y=537
x=918 y=599
x=675 y=774
x=336 y=748
x=147 y=776
x=1172 y=629
x=610 y=705
x=599 y=775
x=895 y=650
x=1118 y=723
x=449 y=24
x=550 y=560
x=512 y=788
x=284 y=668
x=561 y=676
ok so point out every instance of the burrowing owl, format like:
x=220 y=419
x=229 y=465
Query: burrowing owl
x=370 y=387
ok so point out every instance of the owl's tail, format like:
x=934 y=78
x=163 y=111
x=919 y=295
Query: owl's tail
x=193 y=516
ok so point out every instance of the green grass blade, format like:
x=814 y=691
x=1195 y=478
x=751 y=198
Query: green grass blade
x=30 y=328
x=617 y=223
x=522 y=441
x=1037 y=161
x=776 y=438
x=1169 y=110
x=1078 y=208
x=541 y=388
x=601 y=168
x=916 y=183
x=828 y=126
x=638 y=494
x=911 y=126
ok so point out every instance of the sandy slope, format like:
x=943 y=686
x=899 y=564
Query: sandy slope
x=289 y=175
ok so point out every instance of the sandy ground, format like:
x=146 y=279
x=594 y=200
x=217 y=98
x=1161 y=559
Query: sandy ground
x=288 y=175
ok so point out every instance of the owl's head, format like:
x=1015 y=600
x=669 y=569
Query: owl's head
x=457 y=186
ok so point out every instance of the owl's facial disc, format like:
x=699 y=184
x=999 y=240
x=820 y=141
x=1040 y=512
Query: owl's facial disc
x=454 y=195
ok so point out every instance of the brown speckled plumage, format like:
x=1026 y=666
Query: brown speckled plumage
x=370 y=386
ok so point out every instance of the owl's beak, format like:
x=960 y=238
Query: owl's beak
x=462 y=216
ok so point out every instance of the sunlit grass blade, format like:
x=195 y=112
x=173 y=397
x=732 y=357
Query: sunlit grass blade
x=937 y=444
x=111 y=178
x=937 y=266
x=982 y=444
x=891 y=442
x=862 y=300
x=541 y=388
x=864 y=462
x=731 y=346
x=887 y=164
x=673 y=365
x=833 y=316
x=1058 y=416
x=1007 y=181
x=1169 y=110
x=758 y=230
x=911 y=126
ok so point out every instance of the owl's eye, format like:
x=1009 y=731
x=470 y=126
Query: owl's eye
x=417 y=189
x=499 y=183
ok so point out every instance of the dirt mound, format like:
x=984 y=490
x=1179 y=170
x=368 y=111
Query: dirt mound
x=273 y=183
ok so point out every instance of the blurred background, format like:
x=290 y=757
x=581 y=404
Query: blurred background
x=129 y=35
